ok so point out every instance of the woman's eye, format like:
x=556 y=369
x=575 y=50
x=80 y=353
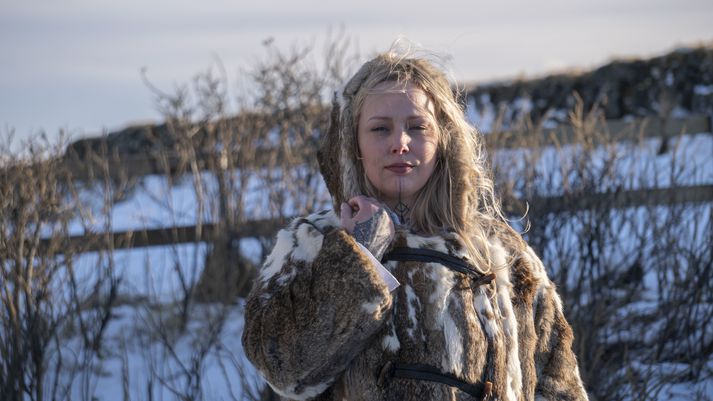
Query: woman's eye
x=419 y=127
x=379 y=129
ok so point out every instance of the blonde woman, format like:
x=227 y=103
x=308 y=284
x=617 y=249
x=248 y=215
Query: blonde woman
x=414 y=287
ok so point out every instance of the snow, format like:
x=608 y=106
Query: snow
x=669 y=80
x=483 y=118
x=139 y=364
x=136 y=362
x=686 y=161
x=703 y=90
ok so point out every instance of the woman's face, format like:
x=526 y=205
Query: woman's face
x=398 y=139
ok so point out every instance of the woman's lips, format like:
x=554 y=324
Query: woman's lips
x=399 y=168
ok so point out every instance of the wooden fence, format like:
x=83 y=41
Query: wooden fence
x=138 y=166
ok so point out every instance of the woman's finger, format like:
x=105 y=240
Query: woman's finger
x=346 y=217
x=366 y=207
x=346 y=210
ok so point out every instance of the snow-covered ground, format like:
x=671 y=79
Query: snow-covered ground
x=148 y=356
x=138 y=363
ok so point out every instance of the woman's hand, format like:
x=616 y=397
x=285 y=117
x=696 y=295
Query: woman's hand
x=369 y=222
x=358 y=210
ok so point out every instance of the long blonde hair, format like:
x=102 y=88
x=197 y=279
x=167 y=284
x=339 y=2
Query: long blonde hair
x=459 y=195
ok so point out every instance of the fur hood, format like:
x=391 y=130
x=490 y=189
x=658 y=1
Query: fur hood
x=337 y=154
x=337 y=162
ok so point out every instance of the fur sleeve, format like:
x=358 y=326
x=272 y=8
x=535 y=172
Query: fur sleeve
x=316 y=303
x=557 y=373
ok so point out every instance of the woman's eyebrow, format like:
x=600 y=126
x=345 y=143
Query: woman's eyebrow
x=377 y=118
x=421 y=117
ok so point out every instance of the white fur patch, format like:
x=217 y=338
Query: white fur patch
x=309 y=242
x=443 y=281
x=486 y=313
x=391 y=265
x=435 y=243
x=538 y=269
x=391 y=342
x=323 y=220
x=373 y=306
x=504 y=302
x=499 y=258
x=412 y=302
x=452 y=360
x=307 y=393
x=278 y=256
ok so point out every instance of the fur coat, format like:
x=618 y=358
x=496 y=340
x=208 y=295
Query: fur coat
x=321 y=322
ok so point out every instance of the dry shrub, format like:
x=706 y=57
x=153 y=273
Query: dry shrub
x=635 y=275
x=245 y=160
x=47 y=299
x=636 y=280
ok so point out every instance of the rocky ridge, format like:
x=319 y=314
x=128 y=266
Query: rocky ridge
x=673 y=85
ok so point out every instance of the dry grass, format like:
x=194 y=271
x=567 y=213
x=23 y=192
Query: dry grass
x=636 y=282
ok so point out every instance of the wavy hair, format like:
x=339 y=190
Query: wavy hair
x=459 y=196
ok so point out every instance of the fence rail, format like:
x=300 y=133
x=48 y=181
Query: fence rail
x=118 y=240
x=620 y=130
x=624 y=199
x=268 y=227
x=123 y=166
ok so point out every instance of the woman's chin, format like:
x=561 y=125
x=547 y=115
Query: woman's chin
x=393 y=197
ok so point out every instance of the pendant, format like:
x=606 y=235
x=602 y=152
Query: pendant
x=402 y=210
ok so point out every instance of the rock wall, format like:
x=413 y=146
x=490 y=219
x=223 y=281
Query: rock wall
x=672 y=85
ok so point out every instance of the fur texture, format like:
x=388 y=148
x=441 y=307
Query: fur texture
x=320 y=322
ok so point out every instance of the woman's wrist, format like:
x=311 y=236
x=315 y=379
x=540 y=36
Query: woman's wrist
x=375 y=233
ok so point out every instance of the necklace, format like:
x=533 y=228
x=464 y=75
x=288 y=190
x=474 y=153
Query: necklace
x=401 y=209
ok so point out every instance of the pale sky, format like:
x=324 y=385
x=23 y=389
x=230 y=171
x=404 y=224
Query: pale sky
x=75 y=64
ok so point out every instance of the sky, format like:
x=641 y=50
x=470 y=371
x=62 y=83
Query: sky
x=75 y=65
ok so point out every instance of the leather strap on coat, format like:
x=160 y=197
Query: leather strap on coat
x=482 y=391
x=404 y=254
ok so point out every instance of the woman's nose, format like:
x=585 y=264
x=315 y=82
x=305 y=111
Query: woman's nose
x=399 y=144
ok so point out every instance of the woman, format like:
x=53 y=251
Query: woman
x=414 y=287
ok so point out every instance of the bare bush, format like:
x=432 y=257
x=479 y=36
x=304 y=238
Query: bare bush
x=254 y=160
x=54 y=314
x=634 y=275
